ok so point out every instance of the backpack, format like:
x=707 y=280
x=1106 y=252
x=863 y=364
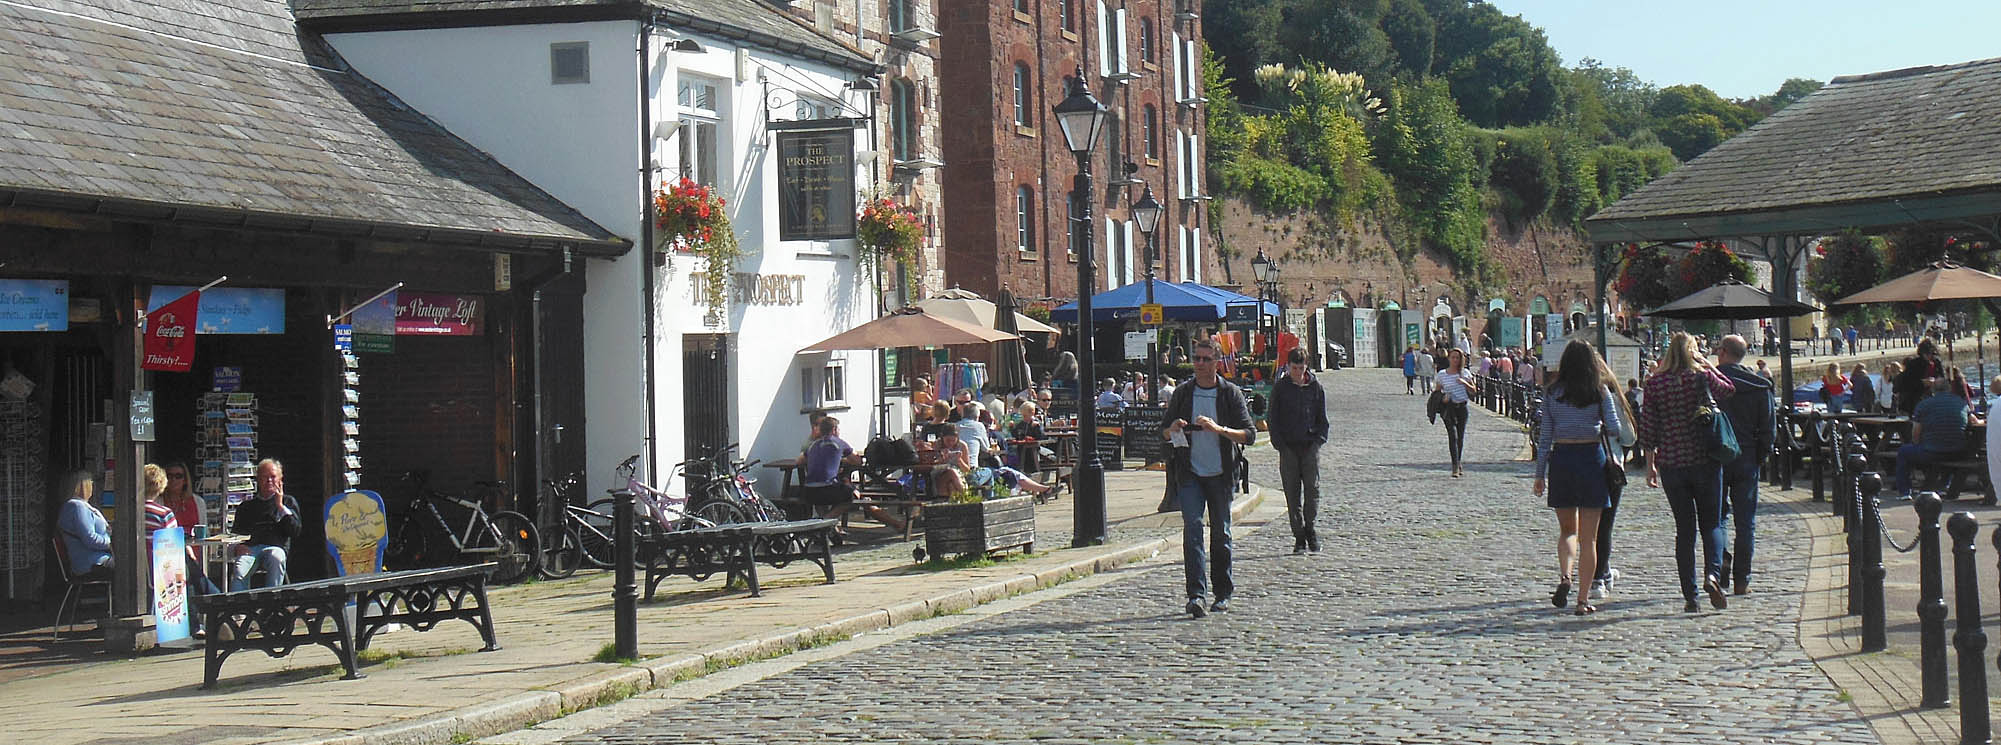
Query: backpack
x=887 y=451
x=1713 y=431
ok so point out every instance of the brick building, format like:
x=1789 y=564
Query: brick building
x=902 y=36
x=1003 y=64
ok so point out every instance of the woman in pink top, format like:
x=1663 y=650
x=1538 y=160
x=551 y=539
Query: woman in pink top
x=1676 y=462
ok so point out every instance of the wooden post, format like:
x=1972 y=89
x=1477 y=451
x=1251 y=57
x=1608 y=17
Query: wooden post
x=130 y=628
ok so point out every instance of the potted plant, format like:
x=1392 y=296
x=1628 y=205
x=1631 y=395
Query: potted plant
x=980 y=520
x=887 y=231
x=691 y=218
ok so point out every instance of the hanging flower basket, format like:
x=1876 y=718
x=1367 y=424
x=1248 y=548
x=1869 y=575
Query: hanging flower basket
x=691 y=218
x=887 y=231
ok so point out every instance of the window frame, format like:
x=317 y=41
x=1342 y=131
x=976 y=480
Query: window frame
x=1024 y=106
x=581 y=47
x=1024 y=217
x=1150 y=132
x=903 y=123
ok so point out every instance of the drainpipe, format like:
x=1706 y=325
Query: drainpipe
x=646 y=285
x=547 y=513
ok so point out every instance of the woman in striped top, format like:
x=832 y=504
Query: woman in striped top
x=1459 y=386
x=1571 y=463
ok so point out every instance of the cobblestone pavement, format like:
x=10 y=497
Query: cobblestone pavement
x=1427 y=620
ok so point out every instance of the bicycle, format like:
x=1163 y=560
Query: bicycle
x=564 y=549
x=717 y=477
x=506 y=538
x=655 y=510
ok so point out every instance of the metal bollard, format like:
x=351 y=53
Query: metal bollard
x=1873 y=637
x=1868 y=484
x=1931 y=605
x=1967 y=635
x=1848 y=489
x=1819 y=445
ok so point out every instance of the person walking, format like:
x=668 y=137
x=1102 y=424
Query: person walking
x=1618 y=450
x=1676 y=462
x=1750 y=412
x=1207 y=421
x=1833 y=385
x=1410 y=370
x=1427 y=366
x=1570 y=462
x=1297 y=425
x=1459 y=385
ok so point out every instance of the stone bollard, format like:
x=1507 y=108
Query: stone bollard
x=1931 y=605
x=1873 y=637
x=1967 y=635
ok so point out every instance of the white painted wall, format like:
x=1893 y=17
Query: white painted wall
x=491 y=85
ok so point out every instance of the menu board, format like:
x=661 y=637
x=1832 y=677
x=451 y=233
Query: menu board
x=1146 y=426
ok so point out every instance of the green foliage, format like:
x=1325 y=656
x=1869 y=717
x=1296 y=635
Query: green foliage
x=1609 y=103
x=1845 y=264
x=1501 y=69
x=1621 y=170
x=1424 y=144
x=1644 y=280
x=1273 y=185
x=1692 y=134
x=1708 y=263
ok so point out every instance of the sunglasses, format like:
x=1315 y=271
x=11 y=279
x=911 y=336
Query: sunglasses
x=1205 y=359
x=173 y=475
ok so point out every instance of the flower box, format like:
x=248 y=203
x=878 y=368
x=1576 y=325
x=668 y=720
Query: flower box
x=979 y=527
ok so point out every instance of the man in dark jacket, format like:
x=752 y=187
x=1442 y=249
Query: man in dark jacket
x=1298 y=427
x=1206 y=422
x=271 y=520
x=1910 y=386
x=1750 y=412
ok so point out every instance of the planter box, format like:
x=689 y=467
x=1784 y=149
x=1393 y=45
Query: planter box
x=979 y=527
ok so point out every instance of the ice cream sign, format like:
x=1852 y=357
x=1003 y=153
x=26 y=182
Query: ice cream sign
x=34 y=305
x=429 y=314
x=356 y=532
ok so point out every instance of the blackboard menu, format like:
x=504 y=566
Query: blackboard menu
x=1063 y=405
x=1111 y=435
x=1144 y=432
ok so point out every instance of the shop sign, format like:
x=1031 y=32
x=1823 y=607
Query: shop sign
x=229 y=310
x=375 y=325
x=1240 y=316
x=142 y=416
x=228 y=380
x=357 y=531
x=431 y=314
x=170 y=335
x=170 y=585
x=816 y=185
x=343 y=337
x=770 y=289
x=34 y=305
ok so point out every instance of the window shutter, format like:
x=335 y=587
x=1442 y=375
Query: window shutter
x=1195 y=176
x=1190 y=81
x=1178 y=72
x=1131 y=260
x=1104 y=33
x=1195 y=254
x=1119 y=40
x=1180 y=172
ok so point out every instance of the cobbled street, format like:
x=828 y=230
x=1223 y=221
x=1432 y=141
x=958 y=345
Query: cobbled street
x=1427 y=619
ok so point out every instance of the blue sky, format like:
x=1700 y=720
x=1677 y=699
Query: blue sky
x=1746 y=48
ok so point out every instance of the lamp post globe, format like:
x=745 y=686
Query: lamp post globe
x=1146 y=212
x=1082 y=119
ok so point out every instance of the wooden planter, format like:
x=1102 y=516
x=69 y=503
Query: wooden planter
x=979 y=527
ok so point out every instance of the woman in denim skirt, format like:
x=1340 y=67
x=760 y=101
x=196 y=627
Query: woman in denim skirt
x=1570 y=465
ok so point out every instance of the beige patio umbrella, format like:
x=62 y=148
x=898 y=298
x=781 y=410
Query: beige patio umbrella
x=966 y=306
x=1943 y=280
x=910 y=327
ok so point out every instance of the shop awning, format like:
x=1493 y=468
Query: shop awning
x=1186 y=301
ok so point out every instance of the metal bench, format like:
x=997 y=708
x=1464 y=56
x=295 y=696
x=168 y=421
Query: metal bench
x=736 y=549
x=343 y=613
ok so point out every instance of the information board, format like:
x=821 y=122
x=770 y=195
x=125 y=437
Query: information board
x=1144 y=430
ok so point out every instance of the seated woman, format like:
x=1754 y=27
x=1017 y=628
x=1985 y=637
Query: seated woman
x=86 y=534
x=1026 y=433
x=955 y=456
x=821 y=482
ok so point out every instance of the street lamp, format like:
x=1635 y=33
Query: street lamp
x=1146 y=212
x=1266 y=272
x=1082 y=118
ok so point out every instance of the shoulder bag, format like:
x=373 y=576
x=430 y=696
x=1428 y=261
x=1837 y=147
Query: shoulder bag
x=1615 y=467
x=1712 y=428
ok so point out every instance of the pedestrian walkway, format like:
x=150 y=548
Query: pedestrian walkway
x=1426 y=620
x=435 y=688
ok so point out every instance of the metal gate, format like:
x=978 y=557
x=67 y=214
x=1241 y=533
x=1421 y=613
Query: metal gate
x=705 y=393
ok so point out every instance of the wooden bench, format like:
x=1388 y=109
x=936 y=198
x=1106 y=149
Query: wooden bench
x=343 y=613
x=735 y=550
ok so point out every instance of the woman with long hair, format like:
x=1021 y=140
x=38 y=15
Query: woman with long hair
x=1459 y=385
x=1570 y=461
x=1832 y=386
x=1620 y=443
x=1676 y=462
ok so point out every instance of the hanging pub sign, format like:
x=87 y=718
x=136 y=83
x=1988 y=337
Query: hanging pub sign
x=431 y=314
x=34 y=305
x=170 y=335
x=1243 y=316
x=229 y=310
x=375 y=325
x=816 y=185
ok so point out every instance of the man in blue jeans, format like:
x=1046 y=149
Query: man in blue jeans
x=1938 y=432
x=1207 y=421
x=1750 y=412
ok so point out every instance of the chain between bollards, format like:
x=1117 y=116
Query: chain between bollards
x=1967 y=636
x=1931 y=605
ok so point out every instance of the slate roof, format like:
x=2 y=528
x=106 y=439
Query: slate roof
x=753 y=22
x=207 y=109
x=1921 y=132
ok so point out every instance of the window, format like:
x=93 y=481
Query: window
x=1073 y=226
x=1066 y=11
x=1024 y=219
x=902 y=120
x=701 y=130
x=1149 y=129
x=808 y=107
x=569 y=62
x=824 y=385
x=1118 y=256
x=1111 y=40
x=901 y=16
x=1022 y=90
x=1146 y=53
x=1021 y=6
x=1115 y=144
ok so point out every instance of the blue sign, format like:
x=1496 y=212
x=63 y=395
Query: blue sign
x=343 y=337
x=229 y=310
x=228 y=379
x=34 y=305
x=170 y=584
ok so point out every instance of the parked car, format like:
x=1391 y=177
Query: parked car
x=1337 y=356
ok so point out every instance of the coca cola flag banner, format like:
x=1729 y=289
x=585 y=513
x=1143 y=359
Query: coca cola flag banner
x=170 y=335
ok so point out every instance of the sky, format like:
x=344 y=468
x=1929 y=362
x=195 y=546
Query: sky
x=1746 y=48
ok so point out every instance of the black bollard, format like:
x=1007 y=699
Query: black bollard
x=1818 y=441
x=1873 y=638
x=1967 y=635
x=1868 y=484
x=1848 y=489
x=624 y=590
x=1931 y=605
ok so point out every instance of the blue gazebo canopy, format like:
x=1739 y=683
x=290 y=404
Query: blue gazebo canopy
x=1186 y=301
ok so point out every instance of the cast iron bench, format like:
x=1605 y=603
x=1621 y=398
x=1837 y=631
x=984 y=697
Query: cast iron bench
x=736 y=549
x=280 y=619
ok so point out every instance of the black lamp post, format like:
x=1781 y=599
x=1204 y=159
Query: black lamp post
x=1146 y=212
x=1266 y=272
x=1082 y=118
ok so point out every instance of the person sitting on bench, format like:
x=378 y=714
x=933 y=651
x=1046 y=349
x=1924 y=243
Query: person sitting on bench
x=822 y=484
x=953 y=454
x=1938 y=432
x=271 y=520
x=86 y=534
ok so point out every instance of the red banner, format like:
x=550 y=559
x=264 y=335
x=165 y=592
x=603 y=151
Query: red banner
x=170 y=335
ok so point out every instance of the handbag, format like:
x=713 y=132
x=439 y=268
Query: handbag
x=1713 y=431
x=1615 y=468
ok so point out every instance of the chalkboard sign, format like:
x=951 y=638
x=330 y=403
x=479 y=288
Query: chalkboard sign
x=1144 y=432
x=1111 y=436
x=1063 y=405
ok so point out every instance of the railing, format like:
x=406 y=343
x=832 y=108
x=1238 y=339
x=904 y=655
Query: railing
x=1512 y=399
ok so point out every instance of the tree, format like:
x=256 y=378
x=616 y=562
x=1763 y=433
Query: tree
x=1414 y=36
x=1843 y=265
x=1501 y=69
x=1424 y=143
x=1643 y=280
x=1621 y=98
x=1342 y=34
x=1691 y=134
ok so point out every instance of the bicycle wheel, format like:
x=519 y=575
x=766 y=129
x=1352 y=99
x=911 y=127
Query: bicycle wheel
x=408 y=546
x=564 y=552
x=519 y=553
x=593 y=527
x=721 y=511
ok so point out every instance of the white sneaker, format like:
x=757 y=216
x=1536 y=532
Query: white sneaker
x=1598 y=589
